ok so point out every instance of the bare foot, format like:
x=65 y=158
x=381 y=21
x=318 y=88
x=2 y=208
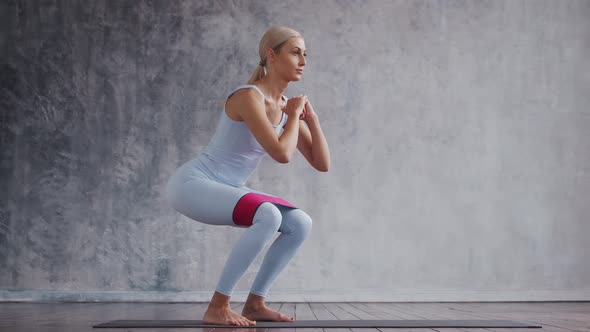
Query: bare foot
x=264 y=313
x=225 y=316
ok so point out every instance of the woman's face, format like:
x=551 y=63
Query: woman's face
x=291 y=59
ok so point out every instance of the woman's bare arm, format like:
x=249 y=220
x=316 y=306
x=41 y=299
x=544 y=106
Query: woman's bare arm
x=312 y=144
x=253 y=112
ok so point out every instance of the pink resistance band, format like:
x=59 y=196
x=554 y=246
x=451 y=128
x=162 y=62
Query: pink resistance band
x=248 y=204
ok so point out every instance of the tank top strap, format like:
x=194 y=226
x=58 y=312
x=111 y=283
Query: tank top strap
x=246 y=86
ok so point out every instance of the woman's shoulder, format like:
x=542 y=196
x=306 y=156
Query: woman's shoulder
x=238 y=98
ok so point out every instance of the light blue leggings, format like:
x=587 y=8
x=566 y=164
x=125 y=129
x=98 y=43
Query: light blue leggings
x=294 y=225
x=212 y=202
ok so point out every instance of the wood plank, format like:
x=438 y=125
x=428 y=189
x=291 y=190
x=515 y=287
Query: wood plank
x=341 y=313
x=563 y=316
x=553 y=313
x=288 y=308
x=436 y=311
x=303 y=311
x=479 y=311
x=373 y=308
x=322 y=313
x=332 y=313
x=43 y=312
x=348 y=307
x=69 y=318
x=378 y=309
x=274 y=306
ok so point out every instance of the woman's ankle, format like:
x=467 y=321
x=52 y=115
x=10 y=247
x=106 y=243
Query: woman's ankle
x=219 y=301
x=254 y=301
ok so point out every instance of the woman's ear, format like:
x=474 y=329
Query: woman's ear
x=270 y=55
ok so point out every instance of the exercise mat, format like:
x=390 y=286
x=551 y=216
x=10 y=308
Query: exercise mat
x=404 y=323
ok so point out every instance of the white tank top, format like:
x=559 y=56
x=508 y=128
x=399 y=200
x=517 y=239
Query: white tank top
x=233 y=153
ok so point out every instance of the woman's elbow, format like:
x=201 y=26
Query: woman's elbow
x=323 y=168
x=282 y=158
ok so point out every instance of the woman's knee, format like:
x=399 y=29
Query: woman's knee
x=299 y=222
x=268 y=214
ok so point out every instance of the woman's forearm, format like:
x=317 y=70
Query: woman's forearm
x=319 y=146
x=289 y=138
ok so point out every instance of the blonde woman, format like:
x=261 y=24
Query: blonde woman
x=257 y=120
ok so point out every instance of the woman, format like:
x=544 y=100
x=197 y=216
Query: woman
x=257 y=120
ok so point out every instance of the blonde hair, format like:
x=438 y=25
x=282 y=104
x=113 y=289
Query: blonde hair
x=273 y=38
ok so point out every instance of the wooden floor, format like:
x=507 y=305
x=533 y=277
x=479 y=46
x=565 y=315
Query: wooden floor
x=66 y=317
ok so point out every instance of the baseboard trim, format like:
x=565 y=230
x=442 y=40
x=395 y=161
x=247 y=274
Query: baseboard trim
x=349 y=295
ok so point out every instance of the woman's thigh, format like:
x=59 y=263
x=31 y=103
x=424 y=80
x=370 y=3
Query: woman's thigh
x=258 y=191
x=205 y=200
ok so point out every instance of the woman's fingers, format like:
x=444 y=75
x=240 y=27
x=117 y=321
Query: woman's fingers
x=303 y=114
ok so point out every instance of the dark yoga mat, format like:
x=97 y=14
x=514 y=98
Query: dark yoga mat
x=405 y=323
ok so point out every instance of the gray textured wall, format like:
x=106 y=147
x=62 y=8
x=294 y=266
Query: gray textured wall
x=459 y=133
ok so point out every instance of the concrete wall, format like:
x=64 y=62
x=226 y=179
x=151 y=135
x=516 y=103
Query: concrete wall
x=459 y=133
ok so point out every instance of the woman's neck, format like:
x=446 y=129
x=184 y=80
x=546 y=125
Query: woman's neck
x=272 y=88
